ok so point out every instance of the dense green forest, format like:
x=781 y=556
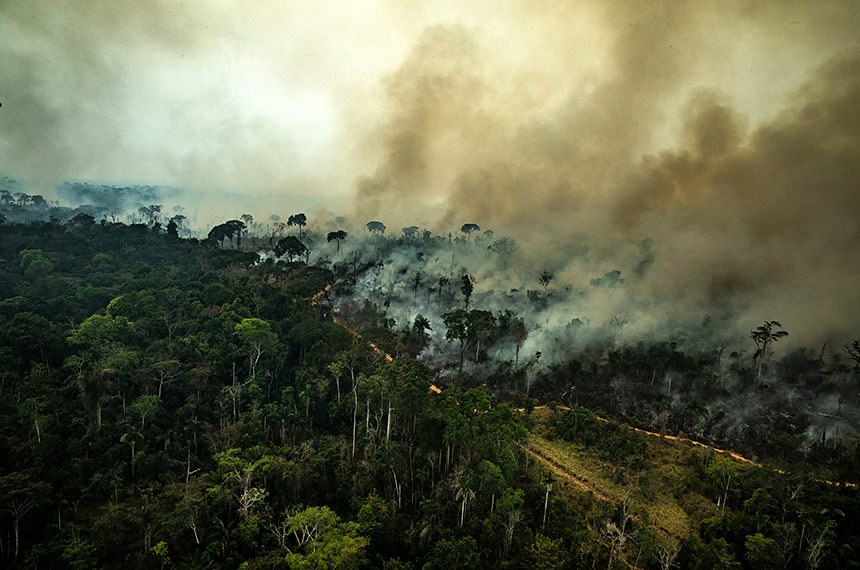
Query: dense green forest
x=185 y=403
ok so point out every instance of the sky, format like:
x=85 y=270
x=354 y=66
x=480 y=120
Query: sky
x=725 y=133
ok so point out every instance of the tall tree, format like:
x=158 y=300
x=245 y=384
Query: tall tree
x=763 y=336
x=291 y=247
x=299 y=220
x=467 y=286
x=336 y=236
x=20 y=492
x=468 y=229
x=506 y=249
x=231 y=229
x=545 y=279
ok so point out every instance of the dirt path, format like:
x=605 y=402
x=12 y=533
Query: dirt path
x=561 y=470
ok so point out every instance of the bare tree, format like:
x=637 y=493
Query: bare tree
x=545 y=279
x=619 y=320
x=819 y=541
x=667 y=554
x=616 y=535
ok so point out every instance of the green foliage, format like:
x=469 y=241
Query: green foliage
x=547 y=554
x=166 y=402
x=291 y=247
x=762 y=553
x=79 y=553
x=454 y=554
x=323 y=542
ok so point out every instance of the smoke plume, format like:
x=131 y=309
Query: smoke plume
x=709 y=152
x=747 y=193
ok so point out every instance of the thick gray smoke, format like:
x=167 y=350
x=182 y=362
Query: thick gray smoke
x=750 y=208
x=726 y=134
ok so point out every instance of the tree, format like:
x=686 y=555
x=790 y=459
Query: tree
x=410 y=232
x=721 y=471
x=316 y=537
x=467 y=287
x=820 y=539
x=853 y=351
x=336 y=236
x=34 y=263
x=229 y=229
x=547 y=554
x=510 y=511
x=173 y=225
x=165 y=372
x=454 y=554
x=444 y=283
x=256 y=337
x=150 y=213
x=469 y=228
x=762 y=336
x=238 y=475
x=474 y=326
x=375 y=227
x=144 y=406
x=620 y=320
x=291 y=247
x=299 y=220
x=506 y=249
x=762 y=552
x=457 y=323
x=545 y=279
x=102 y=354
x=516 y=328
x=131 y=436
x=667 y=553
x=416 y=282
x=19 y=494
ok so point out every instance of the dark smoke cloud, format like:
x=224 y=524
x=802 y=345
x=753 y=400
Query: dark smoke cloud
x=751 y=205
x=725 y=133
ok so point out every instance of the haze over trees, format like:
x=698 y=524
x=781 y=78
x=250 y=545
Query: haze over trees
x=185 y=403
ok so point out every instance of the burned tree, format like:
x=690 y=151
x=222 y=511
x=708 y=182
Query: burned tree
x=545 y=279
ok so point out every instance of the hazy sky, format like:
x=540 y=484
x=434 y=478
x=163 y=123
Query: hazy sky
x=727 y=132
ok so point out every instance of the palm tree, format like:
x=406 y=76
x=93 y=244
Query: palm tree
x=131 y=436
